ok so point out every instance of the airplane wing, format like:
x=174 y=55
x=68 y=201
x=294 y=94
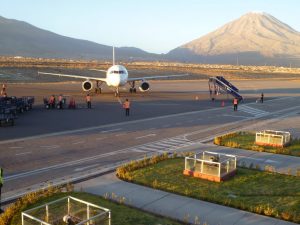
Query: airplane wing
x=157 y=77
x=98 y=70
x=74 y=76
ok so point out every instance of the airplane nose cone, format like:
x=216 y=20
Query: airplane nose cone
x=115 y=80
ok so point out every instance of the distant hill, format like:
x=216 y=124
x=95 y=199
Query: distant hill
x=255 y=38
x=19 y=38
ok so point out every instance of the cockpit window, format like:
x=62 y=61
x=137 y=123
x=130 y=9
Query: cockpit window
x=117 y=72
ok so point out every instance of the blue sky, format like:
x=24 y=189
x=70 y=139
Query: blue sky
x=155 y=26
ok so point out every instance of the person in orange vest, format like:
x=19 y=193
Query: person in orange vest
x=3 y=91
x=60 y=101
x=126 y=106
x=52 y=101
x=88 y=101
x=235 y=104
x=72 y=103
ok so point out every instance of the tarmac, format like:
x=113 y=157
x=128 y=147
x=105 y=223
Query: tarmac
x=60 y=146
x=183 y=208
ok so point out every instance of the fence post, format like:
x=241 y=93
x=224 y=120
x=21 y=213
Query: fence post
x=68 y=205
x=109 y=217
x=22 y=219
x=227 y=166
x=88 y=214
x=235 y=162
x=219 y=169
x=47 y=214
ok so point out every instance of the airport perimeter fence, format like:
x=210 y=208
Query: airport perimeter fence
x=57 y=212
x=273 y=138
x=211 y=163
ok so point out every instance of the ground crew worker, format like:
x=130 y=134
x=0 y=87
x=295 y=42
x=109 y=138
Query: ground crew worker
x=126 y=106
x=3 y=90
x=52 y=101
x=88 y=101
x=262 y=98
x=235 y=104
x=60 y=101
x=72 y=103
x=1 y=184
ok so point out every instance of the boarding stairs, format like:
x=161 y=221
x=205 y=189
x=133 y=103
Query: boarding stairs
x=220 y=83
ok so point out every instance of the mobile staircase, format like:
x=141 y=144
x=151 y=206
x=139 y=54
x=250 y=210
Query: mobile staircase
x=219 y=83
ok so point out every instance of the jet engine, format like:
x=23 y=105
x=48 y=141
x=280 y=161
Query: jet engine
x=145 y=86
x=87 y=85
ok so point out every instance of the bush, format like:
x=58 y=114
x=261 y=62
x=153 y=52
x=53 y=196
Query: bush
x=123 y=172
x=16 y=208
x=218 y=140
x=232 y=144
x=257 y=148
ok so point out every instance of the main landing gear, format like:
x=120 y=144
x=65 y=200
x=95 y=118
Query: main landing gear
x=98 y=88
x=132 y=88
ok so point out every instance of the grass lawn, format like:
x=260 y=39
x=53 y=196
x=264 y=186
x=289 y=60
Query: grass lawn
x=246 y=140
x=121 y=214
x=260 y=192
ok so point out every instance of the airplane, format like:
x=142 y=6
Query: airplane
x=116 y=76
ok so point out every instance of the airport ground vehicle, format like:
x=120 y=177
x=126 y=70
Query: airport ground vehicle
x=11 y=106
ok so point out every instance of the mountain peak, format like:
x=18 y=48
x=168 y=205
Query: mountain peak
x=256 y=33
x=259 y=13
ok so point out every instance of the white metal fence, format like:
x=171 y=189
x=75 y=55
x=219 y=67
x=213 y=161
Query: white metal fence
x=79 y=211
x=211 y=163
x=272 y=137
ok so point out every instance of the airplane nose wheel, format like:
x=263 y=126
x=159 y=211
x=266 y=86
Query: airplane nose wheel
x=117 y=93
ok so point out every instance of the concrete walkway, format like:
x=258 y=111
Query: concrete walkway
x=172 y=205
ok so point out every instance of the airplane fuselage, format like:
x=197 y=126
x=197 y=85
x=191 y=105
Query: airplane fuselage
x=116 y=76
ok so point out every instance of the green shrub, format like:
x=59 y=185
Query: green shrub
x=257 y=148
x=22 y=203
x=218 y=140
x=232 y=144
x=123 y=172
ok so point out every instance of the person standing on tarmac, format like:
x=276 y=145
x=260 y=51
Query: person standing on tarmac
x=262 y=98
x=235 y=104
x=72 y=104
x=3 y=91
x=126 y=106
x=88 y=101
x=1 y=184
x=60 y=101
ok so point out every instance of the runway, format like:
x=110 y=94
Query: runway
x=59 y=145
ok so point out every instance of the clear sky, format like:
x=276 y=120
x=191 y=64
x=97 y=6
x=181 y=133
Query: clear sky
x=156 y=26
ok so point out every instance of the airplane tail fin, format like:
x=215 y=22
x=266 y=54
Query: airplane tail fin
x=113 y=55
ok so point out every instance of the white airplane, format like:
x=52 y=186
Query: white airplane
x=116 y=76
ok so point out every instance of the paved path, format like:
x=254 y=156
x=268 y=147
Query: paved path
x=172 y=205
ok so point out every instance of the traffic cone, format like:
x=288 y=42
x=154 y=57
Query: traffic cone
x=223 y=103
